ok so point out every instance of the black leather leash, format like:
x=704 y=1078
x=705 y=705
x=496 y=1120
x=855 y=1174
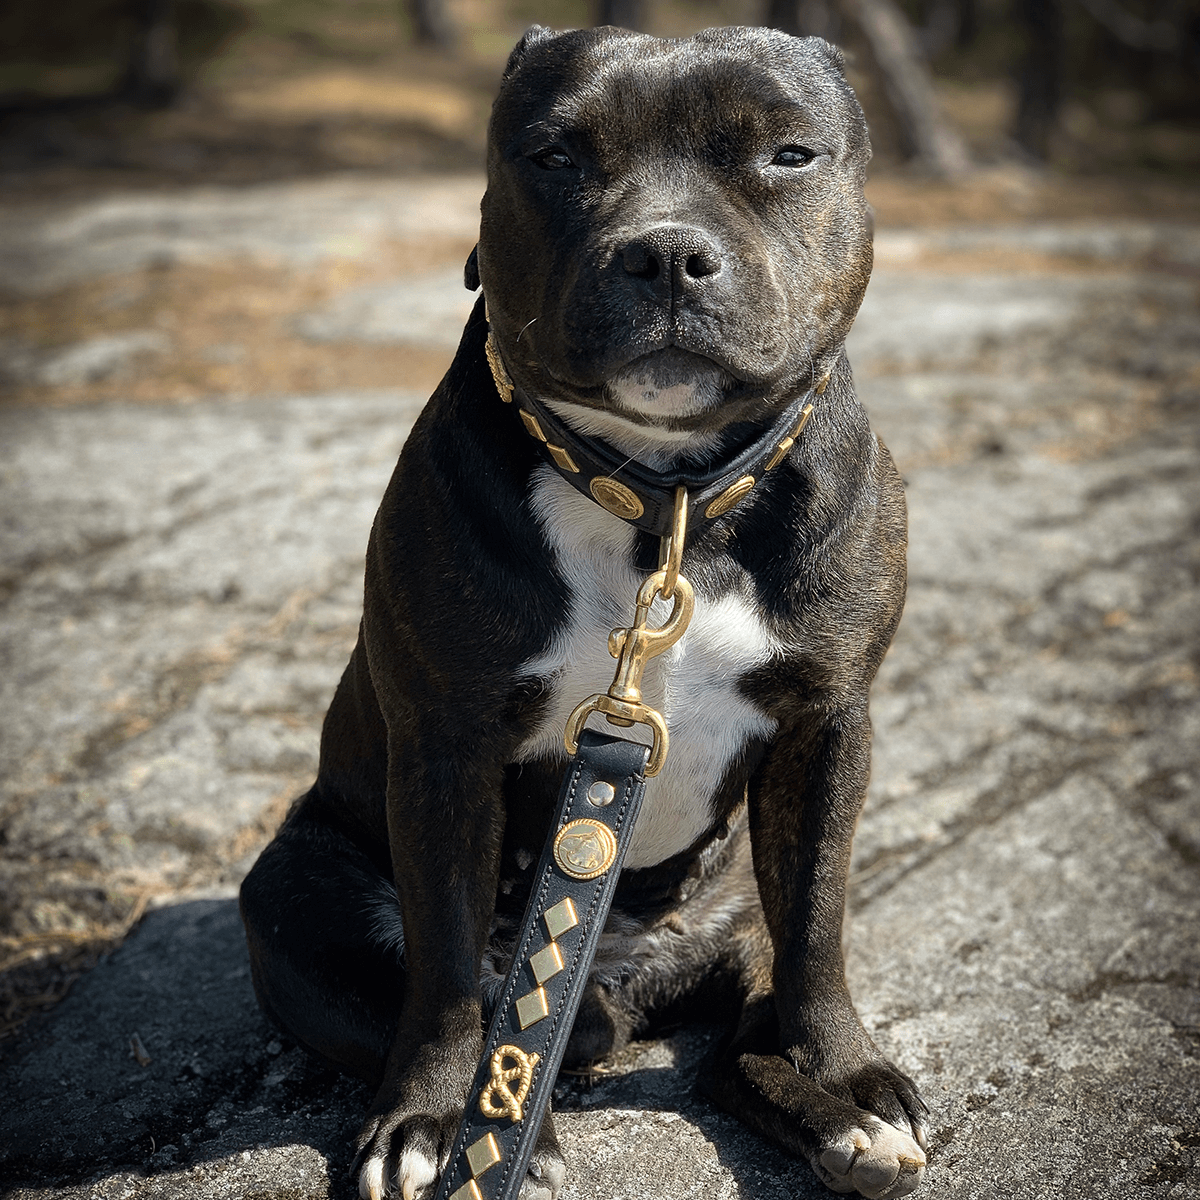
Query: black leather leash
x=599 y=801
x=573 y=891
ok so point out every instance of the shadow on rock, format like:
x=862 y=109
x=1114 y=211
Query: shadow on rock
x=216 y=1088
x=159 y=1077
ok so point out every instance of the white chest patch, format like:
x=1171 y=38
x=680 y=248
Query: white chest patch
x=694 y=684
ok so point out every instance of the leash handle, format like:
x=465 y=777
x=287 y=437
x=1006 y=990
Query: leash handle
x=573 y=890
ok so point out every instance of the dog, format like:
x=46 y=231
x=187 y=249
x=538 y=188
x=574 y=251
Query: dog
x=673 y=246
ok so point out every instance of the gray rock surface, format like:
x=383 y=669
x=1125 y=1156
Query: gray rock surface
x=429 y=309
x=180 y=587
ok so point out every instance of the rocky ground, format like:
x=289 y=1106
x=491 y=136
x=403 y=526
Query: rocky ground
x=187 y=476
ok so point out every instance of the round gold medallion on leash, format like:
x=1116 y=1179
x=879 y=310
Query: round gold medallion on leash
x=585 y=849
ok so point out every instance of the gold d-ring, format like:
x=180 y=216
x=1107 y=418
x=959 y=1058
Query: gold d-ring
x=671 y=547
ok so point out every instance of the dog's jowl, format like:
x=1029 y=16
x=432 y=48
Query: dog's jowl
x=674 y=243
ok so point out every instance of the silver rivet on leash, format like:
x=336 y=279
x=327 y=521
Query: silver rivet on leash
x=601 y=794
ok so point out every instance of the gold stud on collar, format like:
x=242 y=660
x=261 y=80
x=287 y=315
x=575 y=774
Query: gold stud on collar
x=546 y=963
x=780 y=454
x=562 y=459
x=561 y=918
x=789 y=441
x=616 y=497
x=729 y=497
x=483 y=1154
x=531 y=424
x=532 y=1007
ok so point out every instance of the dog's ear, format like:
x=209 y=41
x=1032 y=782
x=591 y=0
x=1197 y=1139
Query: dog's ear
x=471 y=271
x=533 y=35
x=828 y=51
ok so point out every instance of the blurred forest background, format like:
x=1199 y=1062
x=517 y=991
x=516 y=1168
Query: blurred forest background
x=980 y=111
x=151 y=92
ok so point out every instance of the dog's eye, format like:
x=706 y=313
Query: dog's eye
x=792 y=156
x=552 y=158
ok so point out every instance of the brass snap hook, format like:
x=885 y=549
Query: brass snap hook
x=633 y=648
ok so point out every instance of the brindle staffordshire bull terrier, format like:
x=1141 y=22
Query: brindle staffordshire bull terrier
x=674 y=244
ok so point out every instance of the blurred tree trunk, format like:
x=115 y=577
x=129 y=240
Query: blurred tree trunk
x=431 y=23
x=1039 y=73
x=628 y=14
x=931 y=141
x=152 y=75
x=968 y=23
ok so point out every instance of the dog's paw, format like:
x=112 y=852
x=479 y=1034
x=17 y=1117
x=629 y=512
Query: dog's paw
x=882 y=1090
x=546 y=1175
x=875 y=1160
x=402 y=1157
x=405 y=1158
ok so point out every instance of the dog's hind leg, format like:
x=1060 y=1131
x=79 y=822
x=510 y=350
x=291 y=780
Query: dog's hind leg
x=326 y=945
x=327 y=958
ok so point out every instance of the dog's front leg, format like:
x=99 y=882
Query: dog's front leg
x=445 y=826
x=863 y=1129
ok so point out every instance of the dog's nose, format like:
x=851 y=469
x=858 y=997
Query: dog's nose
x=672 y=258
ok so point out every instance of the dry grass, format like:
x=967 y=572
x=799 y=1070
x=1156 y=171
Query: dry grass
x=229 y=329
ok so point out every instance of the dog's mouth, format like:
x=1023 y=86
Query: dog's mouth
x=656 y=408
x=668 y=386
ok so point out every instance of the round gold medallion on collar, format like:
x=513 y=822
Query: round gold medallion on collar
x=729 y=497
x=585 y=849
x=617 y=498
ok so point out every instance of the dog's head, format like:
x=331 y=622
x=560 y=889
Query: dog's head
x=674 y=233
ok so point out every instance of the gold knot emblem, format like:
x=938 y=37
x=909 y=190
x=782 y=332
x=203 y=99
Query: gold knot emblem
x=584 y=848
x=498 y=1099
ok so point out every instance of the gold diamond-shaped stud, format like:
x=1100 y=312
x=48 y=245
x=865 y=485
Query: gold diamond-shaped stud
x=562 y=458
x=546 y=963
x=560 y=918
x=531 y=424
x=468 y=1191
x=532 y=1007
x=483 y=1154
x=780 y=454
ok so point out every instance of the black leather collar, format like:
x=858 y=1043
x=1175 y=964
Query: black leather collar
x=631 y=490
